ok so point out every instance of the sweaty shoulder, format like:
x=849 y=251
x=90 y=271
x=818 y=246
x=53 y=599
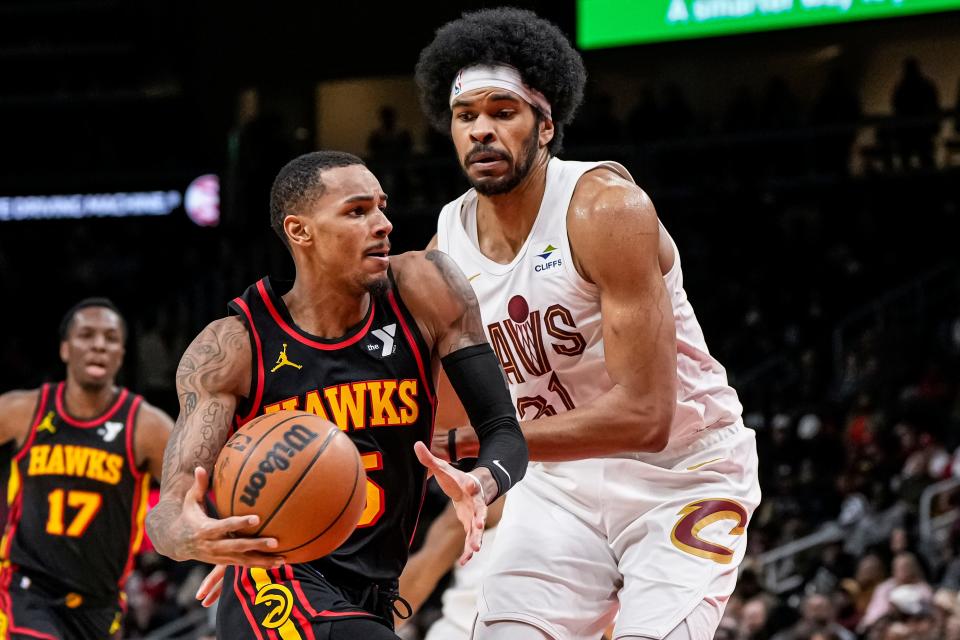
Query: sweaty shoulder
x=16 y=414
x=219 y=359
x=604 y=197
x=605 y=212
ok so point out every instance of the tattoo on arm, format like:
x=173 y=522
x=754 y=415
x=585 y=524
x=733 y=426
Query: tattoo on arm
x=206 y=382
x=467 y=329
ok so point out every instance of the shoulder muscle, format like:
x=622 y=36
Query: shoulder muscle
x=612 y=224
x=218 y=359
x=16 y=413
x=440 y=297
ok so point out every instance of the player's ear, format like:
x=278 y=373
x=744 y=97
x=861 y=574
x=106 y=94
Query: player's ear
x=297 y=232
x=546 y=131
x=64 y=351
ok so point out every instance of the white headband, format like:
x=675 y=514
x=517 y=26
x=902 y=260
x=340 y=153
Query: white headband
x=502 y=76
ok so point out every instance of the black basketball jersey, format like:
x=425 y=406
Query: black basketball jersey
x=76 y=499
x=375 y=383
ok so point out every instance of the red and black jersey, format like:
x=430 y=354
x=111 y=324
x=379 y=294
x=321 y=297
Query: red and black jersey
x=375 y=383
x=76 y=499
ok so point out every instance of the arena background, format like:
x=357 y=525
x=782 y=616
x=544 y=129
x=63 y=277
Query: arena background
x=810 y=177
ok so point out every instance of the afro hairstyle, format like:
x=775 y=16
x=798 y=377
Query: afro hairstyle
x=536 y=47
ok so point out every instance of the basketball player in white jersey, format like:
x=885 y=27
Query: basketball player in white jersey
x=644 y=477
x=438 y=555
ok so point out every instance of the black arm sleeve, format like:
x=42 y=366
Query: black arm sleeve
x=476 y=376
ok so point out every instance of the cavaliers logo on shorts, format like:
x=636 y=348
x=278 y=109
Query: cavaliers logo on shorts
x=698 y=515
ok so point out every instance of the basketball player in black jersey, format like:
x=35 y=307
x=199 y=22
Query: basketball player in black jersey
x=84 y=451
x=358 y=338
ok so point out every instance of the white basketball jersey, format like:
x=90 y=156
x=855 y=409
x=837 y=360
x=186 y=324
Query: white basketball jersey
x=543 y=319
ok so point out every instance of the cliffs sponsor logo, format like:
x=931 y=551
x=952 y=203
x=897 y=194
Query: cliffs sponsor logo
x=295 y=439
x=549 y=259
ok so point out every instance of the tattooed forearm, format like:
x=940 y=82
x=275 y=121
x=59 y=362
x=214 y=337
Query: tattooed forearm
x=211 y=375
x=468 y=329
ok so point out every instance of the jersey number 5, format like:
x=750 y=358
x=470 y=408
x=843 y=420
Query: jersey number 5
x=88 y=504
x=374 y=508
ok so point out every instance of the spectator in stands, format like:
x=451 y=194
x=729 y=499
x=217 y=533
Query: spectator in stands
x=915 y=99
x=389 y=148
x=837 y=107
x=754 y=618
x=817 y=616
x=906 y=571
x=869 y=575
x=388 y=141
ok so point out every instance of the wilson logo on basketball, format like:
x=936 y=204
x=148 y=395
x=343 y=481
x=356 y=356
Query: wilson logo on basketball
x=277 y=459
x=697 y=516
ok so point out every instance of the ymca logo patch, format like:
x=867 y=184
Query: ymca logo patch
x=386 y=337
x=109 y=431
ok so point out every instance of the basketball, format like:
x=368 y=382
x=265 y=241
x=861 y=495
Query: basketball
x=300 y=474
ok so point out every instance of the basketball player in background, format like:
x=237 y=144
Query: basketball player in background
x=441 y=548
x=357 y=338
x=645 y=477
x=84 y=451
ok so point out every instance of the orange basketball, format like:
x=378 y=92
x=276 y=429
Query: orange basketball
x=300 y=474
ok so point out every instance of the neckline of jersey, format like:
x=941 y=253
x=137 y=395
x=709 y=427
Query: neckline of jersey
x=278 y=309
x=492 y=266
x=92 y=422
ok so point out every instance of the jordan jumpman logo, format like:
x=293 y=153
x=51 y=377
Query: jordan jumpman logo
x=282 y=360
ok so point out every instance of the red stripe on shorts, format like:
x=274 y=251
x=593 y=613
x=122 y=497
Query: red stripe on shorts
x=243 y=602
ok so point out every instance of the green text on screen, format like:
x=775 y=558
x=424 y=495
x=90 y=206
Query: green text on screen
x=611 y=23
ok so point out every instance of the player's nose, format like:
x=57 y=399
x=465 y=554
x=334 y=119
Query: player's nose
x=482 y=129
x=382 y=225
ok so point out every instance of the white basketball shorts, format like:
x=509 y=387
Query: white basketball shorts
x=653 y=539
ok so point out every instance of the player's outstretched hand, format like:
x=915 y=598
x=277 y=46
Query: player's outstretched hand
x=197 y=536
x=212 y=585
x=463 y=490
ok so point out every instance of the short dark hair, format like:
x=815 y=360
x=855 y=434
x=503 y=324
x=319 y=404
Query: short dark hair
x=535 y=46
x=301 y=181
x=86 y=303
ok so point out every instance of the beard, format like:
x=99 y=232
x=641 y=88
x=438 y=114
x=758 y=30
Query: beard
x=518 y=169
x=378 y=286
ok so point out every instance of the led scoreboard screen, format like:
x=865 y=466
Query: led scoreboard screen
x=611 y=23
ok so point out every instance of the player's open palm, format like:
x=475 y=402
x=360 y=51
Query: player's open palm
x=464 y=491
x=199 y=537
